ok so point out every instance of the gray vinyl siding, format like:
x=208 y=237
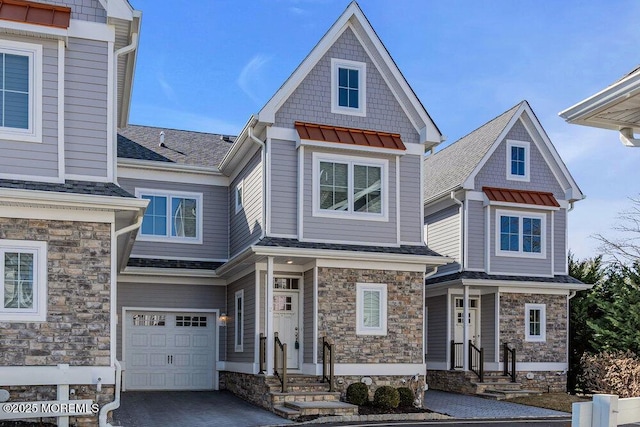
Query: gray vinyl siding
x=410 y=220
x=348 y=230
x=488 y=327
x=86 y=145
x=284 y=187
x=168 y=296
x=308 y=319
x=494 y=172
x=443 y=236
x=560 y=241
x=84 y=10
x=245 y=227
x=311 y=100
x=437 y=338
x=247 y=283
x=519 y=265
x=476 y=224
x=29 y=158
x=214 y=222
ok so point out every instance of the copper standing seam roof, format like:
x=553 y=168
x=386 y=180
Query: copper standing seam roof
x=35 y=13
x=539 y=198
x=366 y=138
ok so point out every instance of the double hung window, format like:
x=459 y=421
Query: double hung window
x=172 y=216
x=520 y=234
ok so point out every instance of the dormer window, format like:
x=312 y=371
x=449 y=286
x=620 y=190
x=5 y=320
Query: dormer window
x=348 y=87
x=518 y=160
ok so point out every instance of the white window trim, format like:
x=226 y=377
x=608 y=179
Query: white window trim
x=34 y=52
x=520 y=253
x=527 y=160
x=360 y=289
x=39 y=311
x=543 y=323
x=239 y=323
x=383 y=164
x=239 y=203
x=168 y=238
x=362 y=87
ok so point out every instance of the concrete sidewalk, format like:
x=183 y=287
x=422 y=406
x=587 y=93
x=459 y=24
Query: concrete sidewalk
x=462 y=406
x=190 y=408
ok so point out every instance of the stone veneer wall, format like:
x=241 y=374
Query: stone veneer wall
x=78 y=320
x=249 y=387
x=512 y=327
x=337 y=316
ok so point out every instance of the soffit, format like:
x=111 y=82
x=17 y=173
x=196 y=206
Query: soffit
x=35 y=13
x=539 y=198
x=349 y=136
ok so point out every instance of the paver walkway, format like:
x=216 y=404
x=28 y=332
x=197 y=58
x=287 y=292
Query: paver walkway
x=190 y=408
x=463 y=406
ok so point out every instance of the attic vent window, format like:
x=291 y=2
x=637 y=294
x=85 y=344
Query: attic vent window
x=348 y=87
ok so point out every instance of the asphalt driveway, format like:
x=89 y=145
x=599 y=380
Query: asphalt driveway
x=189 y=408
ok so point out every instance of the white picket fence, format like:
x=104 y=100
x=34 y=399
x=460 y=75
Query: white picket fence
x=606 y=410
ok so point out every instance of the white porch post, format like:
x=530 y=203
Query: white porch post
x=269 y=314
x=465 y=328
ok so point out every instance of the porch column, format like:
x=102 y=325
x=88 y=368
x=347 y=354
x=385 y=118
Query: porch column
x=269 y=314
x=465 y=328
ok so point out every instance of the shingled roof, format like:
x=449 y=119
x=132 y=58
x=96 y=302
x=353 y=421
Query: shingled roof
x=180 y=146
x=450 y=167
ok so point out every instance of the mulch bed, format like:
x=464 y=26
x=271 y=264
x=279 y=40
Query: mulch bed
x=376 y=410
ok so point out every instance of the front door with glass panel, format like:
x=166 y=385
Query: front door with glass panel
x=474 y=331
x=286 y=318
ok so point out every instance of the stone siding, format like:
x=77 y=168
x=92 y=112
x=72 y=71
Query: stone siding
x=452 y=381
x=544 y=381
x=337 y=316
x=512 y=327
x=251 y=388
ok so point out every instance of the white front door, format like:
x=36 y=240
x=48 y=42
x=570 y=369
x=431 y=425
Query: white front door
x=286 y=324
x=474 y=332
x=169 y=351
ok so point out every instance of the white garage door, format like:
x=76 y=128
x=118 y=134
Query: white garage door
x=169 y=351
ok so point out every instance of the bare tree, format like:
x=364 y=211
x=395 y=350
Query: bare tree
x=626 y=248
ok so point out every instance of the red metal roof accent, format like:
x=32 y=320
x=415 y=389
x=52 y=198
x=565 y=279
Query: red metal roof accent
x=35 y=13
x=539 y=198
x=366 y=138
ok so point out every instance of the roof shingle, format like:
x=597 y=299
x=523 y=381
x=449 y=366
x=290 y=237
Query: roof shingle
x=78 y=187
x=294 y=243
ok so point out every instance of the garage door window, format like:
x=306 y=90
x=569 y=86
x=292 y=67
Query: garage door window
x=197 y=321
x=149 y=320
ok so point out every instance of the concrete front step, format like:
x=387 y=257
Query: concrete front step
x=322 y=408
x=295 y=378
x=310 y=396
x=300 y=387
x=497 y=394
x=482 y=387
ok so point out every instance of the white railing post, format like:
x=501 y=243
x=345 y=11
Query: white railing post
x=605 y=410
x=581 y=414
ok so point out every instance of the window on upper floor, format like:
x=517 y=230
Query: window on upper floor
x=23 y=268
x=535 y=322
x=371 y=309
x=239 y=193
x=20 y=91
x=348 y=87
x=171 y=216
x=349 y=187
x=519 y=234
x=518 y=160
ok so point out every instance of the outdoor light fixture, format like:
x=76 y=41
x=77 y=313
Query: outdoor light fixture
x=222 y=319
x=289 y=261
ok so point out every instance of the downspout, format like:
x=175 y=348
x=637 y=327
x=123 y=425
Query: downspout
x=627 y=138
x=264 y=180
x=104 y=411
x=131 y=227
x=570 y=207
x=462 y=236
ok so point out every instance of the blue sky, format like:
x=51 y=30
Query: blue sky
x=209 y=65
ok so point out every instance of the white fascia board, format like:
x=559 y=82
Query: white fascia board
x=284 y=134
x=580 y=112
x=185 y=175
x=523 y=206
x=374 y=369
x=235 y=147
x=528 y=286
x=350 y=255
x=172 y=272
x=45 y=31
x=84 y=201
x=119 y=9
x=125 y=277
x=468 y=183
x=348 y=147
x=163 y=166
x=91 y=30
x=446 y=194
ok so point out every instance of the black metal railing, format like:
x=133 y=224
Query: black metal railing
x=476 y=360
x=280 y=362
x=263 y=354
x=327 y=362
x=457 y=355
x=509 y=362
